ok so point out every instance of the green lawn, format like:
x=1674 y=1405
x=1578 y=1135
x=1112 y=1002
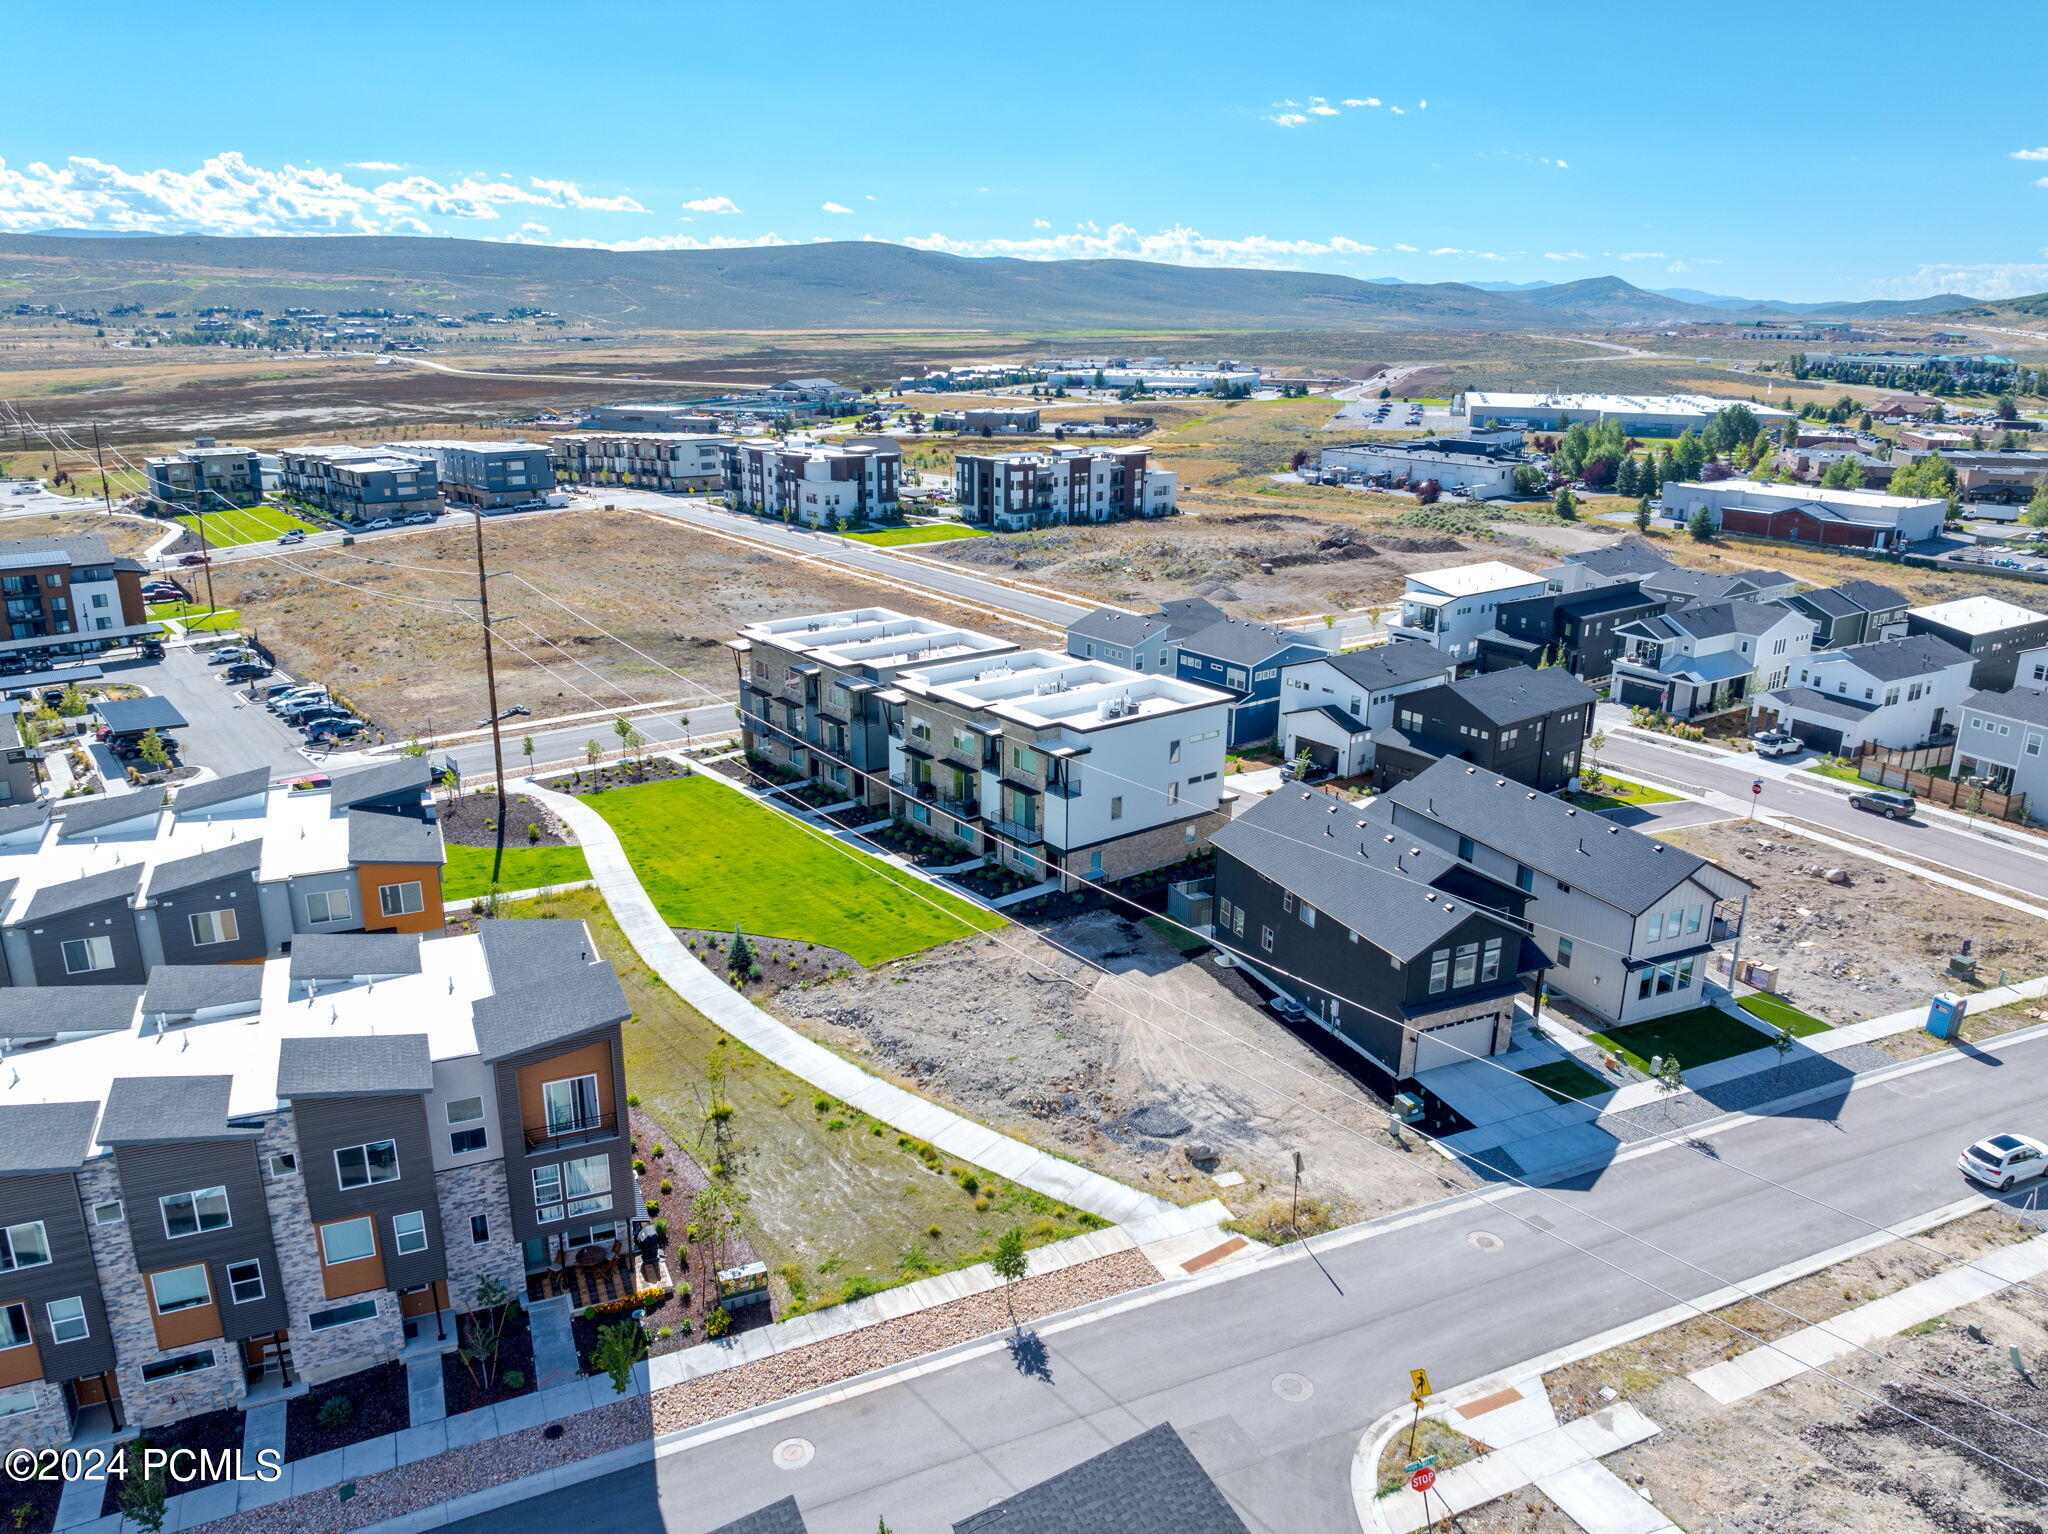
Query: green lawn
x=1779 y=1013
x=1618 y=793
x=246 y=524
x=1185 y=941
x=1844 y=774
x=196 y=616
x=468 y=872
x=1566 y=1080
x=715 y=859
x=938 y=532
x=1699 y=1037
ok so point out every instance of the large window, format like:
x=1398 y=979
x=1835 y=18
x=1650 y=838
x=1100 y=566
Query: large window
x=14 y=1326
x=1489 y=962
x=83 y=955
x=468 y=1112
x=348 y=1240
x=573 y=1187
x=401 y=899
x=328 y=905
x=1439 y=971
x=411 y=1231
x=180 y=1289
x=1466 y=970
x=67 y=1320
x=341 y=1315
x=571 y=1104
x=187 y=1214
x=358 y=1166
x=171 y=1368
x=213 y=927
x=23 y=1246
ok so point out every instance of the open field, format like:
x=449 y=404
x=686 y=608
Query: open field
x=124 y=535
x=1878 y=944
x=383 y=633
x=711 y=858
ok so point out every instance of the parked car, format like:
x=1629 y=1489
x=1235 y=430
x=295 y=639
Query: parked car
x=2002 y=1160
x=246 y=671
x=277 y=690
x=294 y=536
x=195 y=559
x=324 y=720
x=1883 y=801
x=380 y=522
x=1777 y=743
x=167 y=591
x=299 y=708
x=151 y=649
x=421 y=518
x=228 y=652
x=341 y=729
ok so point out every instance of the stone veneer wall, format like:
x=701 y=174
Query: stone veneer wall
x=46 y=1427
x=126 y=1294
x=478 y=1189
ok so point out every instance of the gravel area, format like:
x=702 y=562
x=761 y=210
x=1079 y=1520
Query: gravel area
x=1744 y=1092
x=471 y=820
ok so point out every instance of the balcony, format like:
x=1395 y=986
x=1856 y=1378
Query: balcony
x=1026 y=832
x=581 y=1131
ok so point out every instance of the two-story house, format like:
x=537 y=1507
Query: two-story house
x=238 y=1188
x=1852 y=613
x=1330 y=707
x=1529 y=724
x=1450 y=609
x=1897 y=693
x=1681 y=587
x=1142 y=641
x=1996 y=633
x=1392 y=945
x=1630 y=924
x=1629 y=561
x=1695 y=660
x=2002 y=740
x=1244 y=658
x=1577 y=630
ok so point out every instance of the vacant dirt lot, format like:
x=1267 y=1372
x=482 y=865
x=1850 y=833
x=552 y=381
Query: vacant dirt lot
x=1089 y=1066
x=124 y=535
x=380 y=630
x=1875 y=945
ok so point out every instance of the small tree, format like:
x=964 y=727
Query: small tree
x=630 y=741
x=487 y=1324
x=144 y=1499
x=1643 y=515
x=413 y=748
x=739 y=954
x=72 y=704
x=526 y=750
x=1669 y=1081
x=1700 y=525
x=592 y=750
x=153 y=751
x=1565 y=505
x=1782 y=1042
x=619 y=1347
x=1009 y=1263
x=2036 y=514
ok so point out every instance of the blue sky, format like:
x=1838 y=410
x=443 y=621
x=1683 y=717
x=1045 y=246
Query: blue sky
x=1768 y=151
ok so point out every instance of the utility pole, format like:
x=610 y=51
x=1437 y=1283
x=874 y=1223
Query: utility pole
x=199 y=526
x=483 y=598
x=106 y=495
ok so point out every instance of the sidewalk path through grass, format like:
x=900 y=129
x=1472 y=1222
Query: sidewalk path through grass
x=647 y=929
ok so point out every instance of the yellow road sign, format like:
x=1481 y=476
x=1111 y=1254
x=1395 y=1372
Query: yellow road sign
x=1418 y=1380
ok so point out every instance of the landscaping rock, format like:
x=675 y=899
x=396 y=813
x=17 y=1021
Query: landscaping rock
x=1159 y=1120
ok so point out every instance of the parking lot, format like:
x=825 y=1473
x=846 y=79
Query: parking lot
x=224 y=730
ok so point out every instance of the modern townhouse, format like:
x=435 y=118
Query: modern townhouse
x=1995 y=633
x=360 y=484
x=485 y=476
x=1144 y=642
x=1019 y=421
x=1528 y=724
x=851 y=480
x=1695 y=660
x=1450 y=609
x=204 y=477
x=1480 y=466
x=1059 y=768
x=1629 y=924
x=1578 y=631
x=1245 y=659
x=1330 y=707
x=808 y=689
x=1855 y=519
x=65 y=597
x=1409 y=956
x=680 y=461
x=1685 y=587
x=228 y=872
x=1852 y=613
x=21 y=769
x=2002 y=742
x=290 y=1171
x=1631 y=560
x=1055 y=486
x=1896 y=694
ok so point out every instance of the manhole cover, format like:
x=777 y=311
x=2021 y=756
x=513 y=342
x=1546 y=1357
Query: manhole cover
x=793 y=1453
x=1486 y=1240
x=1293 y=1387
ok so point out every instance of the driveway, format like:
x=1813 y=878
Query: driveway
x=224 y=730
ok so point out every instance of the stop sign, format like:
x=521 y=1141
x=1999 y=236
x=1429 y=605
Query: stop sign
x=1422 y=1480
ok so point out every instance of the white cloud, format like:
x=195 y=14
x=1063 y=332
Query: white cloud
x=569 y=195
x=871 y=197
x=1561 y=165
x=1178 y=245
x=1564 y=255
x=712 y=205
x=1288 y=119
x=834 y=207
x=1991 y=279
x=1422 y=106
x=2030 y=154
x=1398 y=111
x=1642 y=255
x=1361 y=101
x=374 y=165
x=1410 y=249
x=1041 y=223
x=535 y=229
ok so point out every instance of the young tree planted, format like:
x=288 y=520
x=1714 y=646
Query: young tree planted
x=1009 y=1262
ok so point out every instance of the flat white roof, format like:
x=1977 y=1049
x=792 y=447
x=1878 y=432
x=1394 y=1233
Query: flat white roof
x=1471 y=580
x=1616 y=404
x=1044 y=689
x=1873 y=500
x=1978 y=615
x=872 y=636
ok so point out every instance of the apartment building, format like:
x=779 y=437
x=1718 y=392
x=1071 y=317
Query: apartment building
x=851 y=480
x=99 y=891
x=1897 y=693
x=688 y=462
x=205 y=477
x=1855 y=519
x=486 y=476
x=66 y=597
x=1449 y=609
x=812 y=682
x=1694 y=660
x=1050 y=487
x=1629 y=924
x=360 y=484
x=257 y=1175
x=1057 y=767
x=1995 y=633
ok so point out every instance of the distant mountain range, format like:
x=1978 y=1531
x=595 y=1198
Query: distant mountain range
x=855 y=285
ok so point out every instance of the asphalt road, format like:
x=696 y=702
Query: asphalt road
x=923 y=1452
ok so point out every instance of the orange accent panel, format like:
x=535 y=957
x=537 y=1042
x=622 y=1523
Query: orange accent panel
x=591 y=1060
x=354 y=1277
x=20 y=1365
x=429 y=918
x=182 y=1328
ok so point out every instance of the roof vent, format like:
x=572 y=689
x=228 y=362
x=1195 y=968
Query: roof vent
x=1569 y=811
x=1429 y=894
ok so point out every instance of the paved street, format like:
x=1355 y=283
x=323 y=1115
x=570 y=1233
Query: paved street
x=922 y=1452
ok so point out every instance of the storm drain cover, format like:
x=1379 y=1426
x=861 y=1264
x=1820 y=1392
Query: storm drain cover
x=1293 y=1387
x=793 y=1453
x=1486 y=1240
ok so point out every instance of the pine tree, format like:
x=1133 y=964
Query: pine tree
x=739 y=954
x=1565 y=506
x=1643 y=515
x=1625 y=477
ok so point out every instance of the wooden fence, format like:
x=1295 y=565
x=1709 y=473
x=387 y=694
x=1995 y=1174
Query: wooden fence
x=1899 y=770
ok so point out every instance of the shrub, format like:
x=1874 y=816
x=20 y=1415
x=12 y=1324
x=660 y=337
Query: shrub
x=660 y=1150
x=632 y=1099
x=667 y=1186
x=654 y=1206
x=661 y=1230
x=639 y=1165
x=717 y=1323
x=515 y=1379
x=836 y=1124
x=933 y=1231
x=336 y=1412
x=666 y=1332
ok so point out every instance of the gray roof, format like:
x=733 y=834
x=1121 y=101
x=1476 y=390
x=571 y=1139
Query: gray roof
x=344 y=955
x=1869 y=596
x=1711 y=620
x=45 y=1137
x=374 y=838
x=1573 y=846
x=1374 y=879
x=1811 y=700
x=364 y=1065
x=778 y=1518
x=17 y=817
x=76 y=894
x=1150 y=1484
x=205 y=867
x=2021 y=704
x=1523 y=692
x=101 y=812
x=548 y=1011
x=521 y=951
x=236 y=785
x=1630 y=558
x=1242 y=641
x=1184 y=615
x=1393 y=664
x=1892 y=660
x=1343 y=719
x=79 y=548
x=1695 y=585
x=131 y=716
x=1112 y=627
x=399 y=776
x=161 y=1109
x=44 y=1011
x=197 y=987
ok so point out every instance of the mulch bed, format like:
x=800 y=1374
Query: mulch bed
x=859 y=815
x=920 y=850
x=595 y=780
x=515 y=1356
x=207 y=1434
x=30 y=1506
x=381 y=1406
x=471 y=821
x=784 y=961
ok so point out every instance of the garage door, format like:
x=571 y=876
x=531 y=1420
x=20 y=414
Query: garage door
x=1321 y=758
x=1639 y=694
x=1454 y=1043
x=1818 y=736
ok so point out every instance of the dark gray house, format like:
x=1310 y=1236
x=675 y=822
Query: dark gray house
x=1994 y=633
x=1852 y=613
x=1529 y=724
x=1575 y=630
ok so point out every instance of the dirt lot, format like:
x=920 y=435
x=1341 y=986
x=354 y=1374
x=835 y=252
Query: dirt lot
x=124 y=535
x=1049 y=1050
x=1878 y=944
x=1813 y=1456
x=668 y=591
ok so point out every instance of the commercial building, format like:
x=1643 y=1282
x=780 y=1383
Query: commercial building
x=1527 y=724
x=680 y=461
x=1330 y=707
x=204 y=477
x=1481 y=466
x=661 y=420
x=1004 y=422
x=360 y=484
x=1996 y=634
x=850 y=481
x=1896 y=693
x=1852 y=613
x=1640 y=415
x=487 y=476
x=1696 y=660
x=231 y=1179
x=1856 y=519
x=69 y=596
x=1150 y=379
x=1449 y=609
x=1992 y=479
x=1055 y=486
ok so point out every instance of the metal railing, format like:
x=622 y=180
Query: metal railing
x=579 y=1131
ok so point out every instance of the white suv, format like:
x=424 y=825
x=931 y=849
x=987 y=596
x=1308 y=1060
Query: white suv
x=2003 y=1160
